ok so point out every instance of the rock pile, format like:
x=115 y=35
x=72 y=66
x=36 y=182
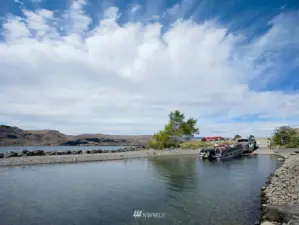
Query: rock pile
x=284 y=185
x=280 y=198
x=26 y=153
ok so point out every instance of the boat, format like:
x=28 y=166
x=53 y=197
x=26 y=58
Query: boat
x=208 y=153
x=229 y=151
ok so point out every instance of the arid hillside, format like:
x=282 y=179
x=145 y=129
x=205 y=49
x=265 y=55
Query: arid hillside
x=16 y=136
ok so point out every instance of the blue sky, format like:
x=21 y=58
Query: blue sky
x=120 y=67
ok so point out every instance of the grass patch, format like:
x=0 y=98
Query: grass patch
x=201 y=144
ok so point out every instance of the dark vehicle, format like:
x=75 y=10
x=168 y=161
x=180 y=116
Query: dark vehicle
x=249 y=145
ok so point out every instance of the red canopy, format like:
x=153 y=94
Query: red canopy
x=212 y=138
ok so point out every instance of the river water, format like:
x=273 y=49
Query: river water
x=58 y=148
x=183 y=189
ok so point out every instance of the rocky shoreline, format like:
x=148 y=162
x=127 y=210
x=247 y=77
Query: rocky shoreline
x=92 y=156
x=280 y=196
x=26 y=153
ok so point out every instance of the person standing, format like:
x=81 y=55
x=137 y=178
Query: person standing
x=283 y=140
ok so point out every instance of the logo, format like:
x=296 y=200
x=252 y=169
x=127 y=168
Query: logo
x=148 y=215
x=137 y=214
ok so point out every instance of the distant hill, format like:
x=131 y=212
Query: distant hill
x=16 y=136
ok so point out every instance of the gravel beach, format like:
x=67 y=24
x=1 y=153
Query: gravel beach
x=54 y=159
x=280 y=198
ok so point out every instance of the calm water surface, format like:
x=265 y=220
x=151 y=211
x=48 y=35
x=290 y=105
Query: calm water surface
x=188 y=190
x=58 y=148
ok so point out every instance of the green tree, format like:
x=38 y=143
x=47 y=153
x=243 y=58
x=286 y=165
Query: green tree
x=237 y=136
x=290 y=135
x=176 y=129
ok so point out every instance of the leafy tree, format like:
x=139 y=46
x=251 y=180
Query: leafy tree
x=176 y=129
x=237 y=136
x=290 y=135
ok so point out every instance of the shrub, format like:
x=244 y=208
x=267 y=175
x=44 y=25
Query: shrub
x=174 y=131
x=290 y=134
x=237 y=136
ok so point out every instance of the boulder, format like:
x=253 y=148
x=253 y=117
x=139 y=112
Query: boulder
x=77 y=152
x=25 y=151
x=267 y=223
x=39 y=152
x=94 y=151
x=282 y=213
x=294 y=221
x=29 y=153
x=10 y=154
x=1 y=155
x=35 y=153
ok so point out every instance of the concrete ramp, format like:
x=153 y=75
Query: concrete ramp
x=262 y=142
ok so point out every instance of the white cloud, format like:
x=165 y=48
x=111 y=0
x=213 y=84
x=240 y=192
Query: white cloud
x=126 y=79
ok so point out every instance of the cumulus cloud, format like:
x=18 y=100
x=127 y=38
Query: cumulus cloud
x=126 y=78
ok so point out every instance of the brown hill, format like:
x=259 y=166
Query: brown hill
x=16 y=136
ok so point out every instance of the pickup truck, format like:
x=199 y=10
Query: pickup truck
x=247 y=146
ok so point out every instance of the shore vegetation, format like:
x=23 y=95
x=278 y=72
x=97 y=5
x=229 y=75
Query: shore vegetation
x=177 y=130
x=285 y=136
x=201 y=144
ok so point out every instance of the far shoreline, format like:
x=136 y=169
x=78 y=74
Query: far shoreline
x=107 y=156
x=97 y=157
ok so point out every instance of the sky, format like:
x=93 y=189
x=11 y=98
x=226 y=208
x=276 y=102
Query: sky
x=121 y=66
